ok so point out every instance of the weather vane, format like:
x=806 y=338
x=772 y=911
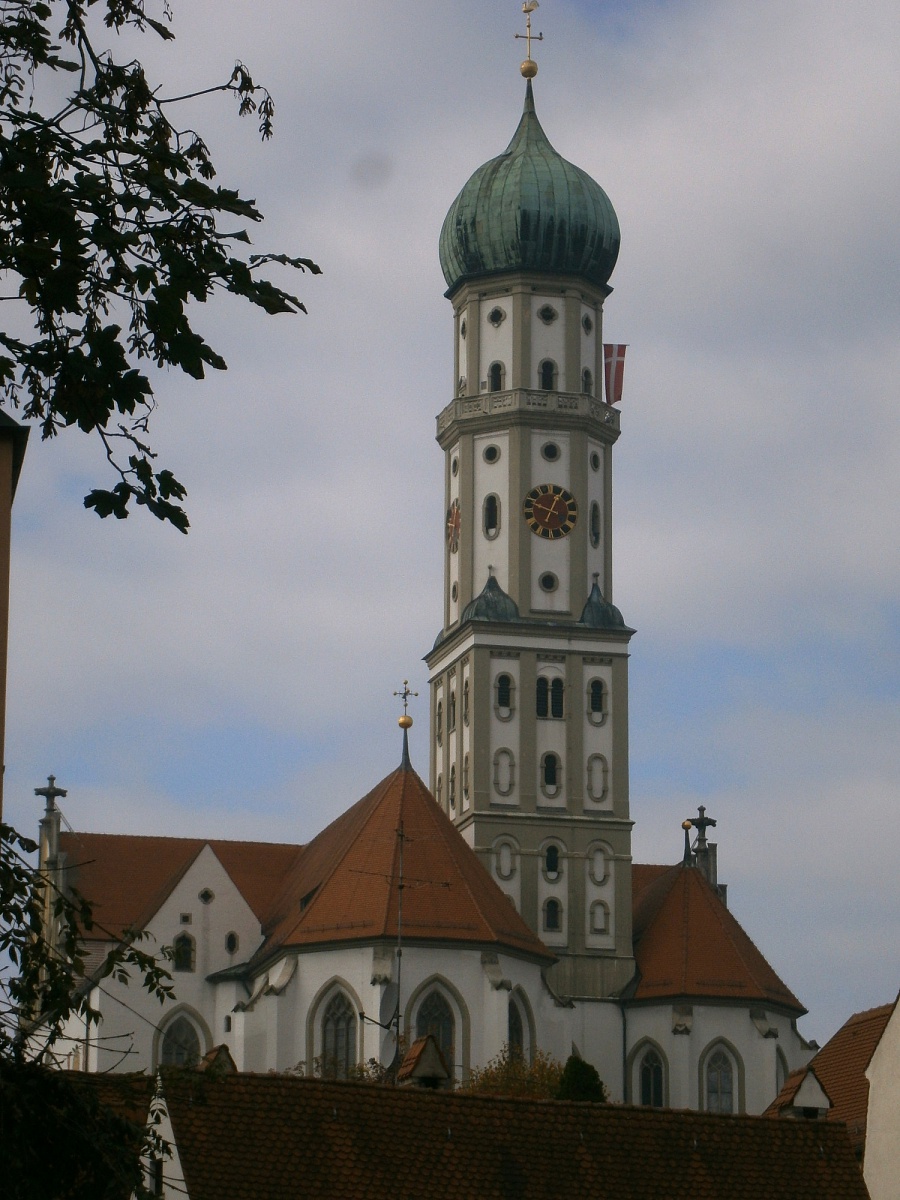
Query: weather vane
x=529 y=66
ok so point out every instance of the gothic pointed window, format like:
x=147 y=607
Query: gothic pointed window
x=338 y=1037
x=183 y=953
x=651 y=1079
x=543 y=696
x=515 y=1030
x=496 y=377
x=180 y=1044
x=547 y=375
x=719 y=1083
x=435 y=1017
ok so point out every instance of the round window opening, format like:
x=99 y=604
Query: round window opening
x=231 y=942
x=206 y=896
x=587 y=324
x=548 y=314
x=491 y=454
x=595 y=461
x=454 y=593
x=548 y=582
x=454 y=467
x=550 y=451
x=462 y=328
x=496 y=317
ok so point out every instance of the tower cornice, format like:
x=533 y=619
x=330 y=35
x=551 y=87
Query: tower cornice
x=565 y=410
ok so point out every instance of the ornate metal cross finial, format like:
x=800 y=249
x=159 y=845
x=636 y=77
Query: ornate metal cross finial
x=405 y=694
x=51 y=792
x=529 y=66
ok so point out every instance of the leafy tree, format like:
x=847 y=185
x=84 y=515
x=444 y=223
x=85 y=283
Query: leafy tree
x=110 y=225
x=580 y=1081
x=62 y=1136
x=510 y=1074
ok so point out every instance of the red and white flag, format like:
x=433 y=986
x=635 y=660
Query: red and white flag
x=614 y=360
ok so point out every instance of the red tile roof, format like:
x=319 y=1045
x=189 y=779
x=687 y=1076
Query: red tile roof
x=687 y=944
x=840 y=1067
x=127 y=878
x=272 y=1138
x=344 y=885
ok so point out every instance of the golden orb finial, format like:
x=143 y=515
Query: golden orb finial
x=687 y=824
x=405 y=722
x=529 y=66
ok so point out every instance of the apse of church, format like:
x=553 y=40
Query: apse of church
x=529 y=701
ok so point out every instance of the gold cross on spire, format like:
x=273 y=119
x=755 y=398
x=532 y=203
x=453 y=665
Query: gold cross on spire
x=404 y=695
x=529 y=66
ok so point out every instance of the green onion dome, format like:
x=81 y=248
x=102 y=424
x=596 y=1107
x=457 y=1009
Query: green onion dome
x=530 y=210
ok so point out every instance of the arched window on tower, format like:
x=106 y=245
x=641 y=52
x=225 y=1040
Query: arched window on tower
x=435 y=1016
x=491 y=516
x=504 y=695
x=719 y=1083
x=543 y=697
x=556 y=698
x=180 y=1044
x=183 y=953
x=338 y=1037
x=551 y=861
x=587 y=382
x=496 y=377
x=595 y=524
x=551 y=774
x=596 y=702
x=552 y=916
x=547 y=375
x=652 y=1080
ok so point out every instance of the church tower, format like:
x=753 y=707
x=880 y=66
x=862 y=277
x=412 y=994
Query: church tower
x=528 y=676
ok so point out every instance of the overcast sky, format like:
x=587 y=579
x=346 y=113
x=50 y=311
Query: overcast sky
x=238 y=682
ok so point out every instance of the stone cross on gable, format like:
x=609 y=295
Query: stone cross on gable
x=51 y=792
x=701 y=823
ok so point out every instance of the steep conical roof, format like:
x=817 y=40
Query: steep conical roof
x=530 y=210
x=687 y=944
x=344 y=887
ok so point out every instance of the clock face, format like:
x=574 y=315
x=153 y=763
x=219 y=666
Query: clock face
x=551 y=511
x=453 y=522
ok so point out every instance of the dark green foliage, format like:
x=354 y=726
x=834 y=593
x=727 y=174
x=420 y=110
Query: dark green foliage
x=62 y=1139
x=580 y=1081
x=41 y=939
x=109 y=228
x=63 y=1136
